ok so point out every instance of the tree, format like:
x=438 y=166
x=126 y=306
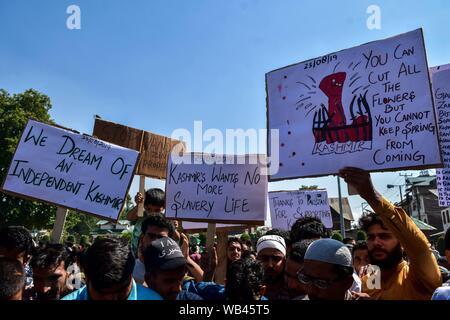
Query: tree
x=337 y=236
x=15 y=110
x=361 y=235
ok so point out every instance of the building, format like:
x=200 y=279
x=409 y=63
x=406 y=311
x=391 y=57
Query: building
x=108 y=227
x=348 y=215
x=422 y=200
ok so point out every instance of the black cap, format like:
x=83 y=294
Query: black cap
x=163 y=254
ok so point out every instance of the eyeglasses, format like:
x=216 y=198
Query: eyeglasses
x=318 y=283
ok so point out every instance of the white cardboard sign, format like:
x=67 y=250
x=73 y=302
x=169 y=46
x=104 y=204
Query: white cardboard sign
x=288 y=206
x=441 y=93
x=216 y=188
x=71 y=170
x=369 y=106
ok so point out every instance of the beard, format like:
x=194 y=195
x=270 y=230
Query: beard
x=393 y=258
x=273 y=278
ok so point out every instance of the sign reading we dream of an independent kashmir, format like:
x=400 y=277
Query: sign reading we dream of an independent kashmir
x=288 y=206
x=369 y=106
x=441 y=91
x=216 y=188
x=71 y=170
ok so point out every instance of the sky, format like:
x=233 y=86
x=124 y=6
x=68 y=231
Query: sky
x=161 y=65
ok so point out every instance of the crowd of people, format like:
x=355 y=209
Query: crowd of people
x=396 y=262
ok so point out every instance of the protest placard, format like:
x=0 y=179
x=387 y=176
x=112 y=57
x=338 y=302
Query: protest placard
x=441 y=93
x=191 y=227
x=71 y=170
x=216 y=188
x=369 y=106
x=288 y=206
x=154 y=148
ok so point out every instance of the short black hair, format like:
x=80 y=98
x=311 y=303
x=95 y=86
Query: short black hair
x=347 y=240
x=50 y=257
x=308 y=228
x=447 y=239
x=282 y=233
x=234 y=239
x=16 y=238
x=369 y=219
x=360 y=245
x=244 y=280
x=247 y=253
x=12 y=277
x=108 y=262
x=299 y=249
x=159 y=221
x=155 y=197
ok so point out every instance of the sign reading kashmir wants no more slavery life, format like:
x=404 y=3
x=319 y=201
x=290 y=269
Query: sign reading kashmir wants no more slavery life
x=288 y=206
x=216 y=188
x=369 y=106
x=71 y=170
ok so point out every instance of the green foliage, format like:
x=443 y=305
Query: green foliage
x=84 y=240
x=245 y=237
x=127 y=235
x=15 y=110
x=202 y=238
x=45 y=239
x=361 y=236
x=71 y=239
x=337 y=236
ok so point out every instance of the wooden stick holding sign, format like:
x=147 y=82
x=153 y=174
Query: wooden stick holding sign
x=58 y=227
x=140 y=212
x=210 y=236
x=221 y=270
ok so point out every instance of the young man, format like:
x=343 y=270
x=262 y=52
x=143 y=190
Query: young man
x=152 y=228
x=307 y=228
x=234 y=250
x=12 y=279
x=360 y=255
x=154 y=203
x=271 y=252
x=349 y=241
x=390 y=231
x=108 y=265
x=50 y=273
x=294 y=263
x=17 y=243
x=327 y=271
x=245 y=281
x=443 y=293
x=165 y=270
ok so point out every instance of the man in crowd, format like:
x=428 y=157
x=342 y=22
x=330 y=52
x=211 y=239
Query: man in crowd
x=271 y=252
x=443 y=293
x=349 y=241
x=165 y=270
x=307 y=228
x=327 y=271
x=234 y=250
x=17 y=243
x=245 y=281
x=108 y=266
x=12 y=279
x=390 y=231
x=152 y=228
x=50 y=274
x=294 y=263
x=360 y=255
x=154 y=203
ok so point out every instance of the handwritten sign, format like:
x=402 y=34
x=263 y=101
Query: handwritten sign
x=441 y=92
x=288 y=206
x=190 y=226
x=154 y=148
x=369 y=106
x=216 y=188
x=71 y=170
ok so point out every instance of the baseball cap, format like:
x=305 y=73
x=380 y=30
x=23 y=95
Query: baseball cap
x=163 y=254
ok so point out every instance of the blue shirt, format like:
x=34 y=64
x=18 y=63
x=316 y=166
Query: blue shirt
x=442 y=293
x=138 y=292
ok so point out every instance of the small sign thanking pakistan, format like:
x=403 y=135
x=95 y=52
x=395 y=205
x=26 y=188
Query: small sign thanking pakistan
x=288 y=206
x=216 y=188
x=72 y=170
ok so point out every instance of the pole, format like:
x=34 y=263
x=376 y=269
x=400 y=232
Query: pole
x=401 y=196
x=340 y=208
x=58 y=227
x=140 y=212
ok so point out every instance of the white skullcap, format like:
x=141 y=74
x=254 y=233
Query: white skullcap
x=330 y=251
x=271 y=241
